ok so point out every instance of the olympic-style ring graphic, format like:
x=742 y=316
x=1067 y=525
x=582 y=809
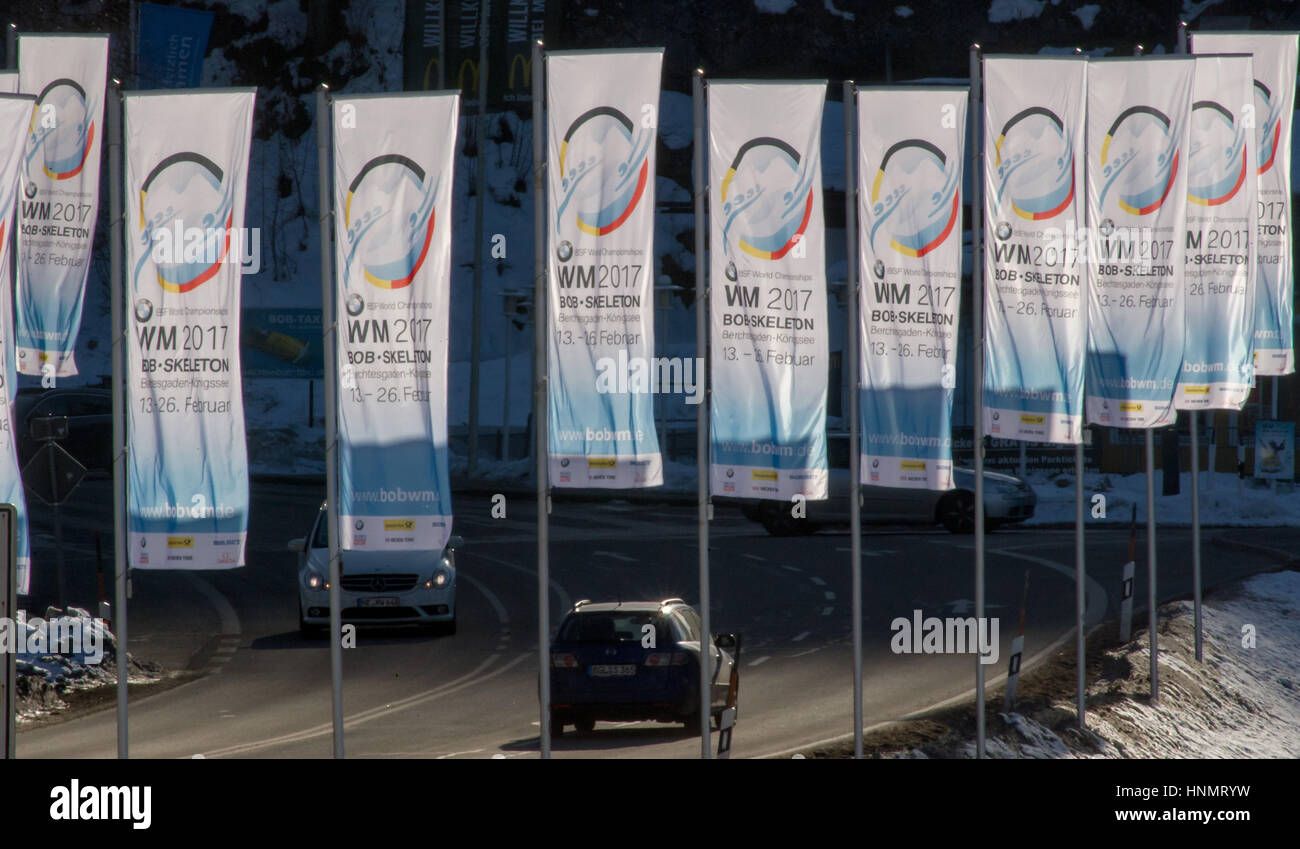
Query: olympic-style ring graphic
x=1224 y=165
x=1011 y=157
x=798 y=201
x=921 y=171
x=1149 y=198
x=634 y=173
x=179 y=276
x=59 y=164
x=402 y=242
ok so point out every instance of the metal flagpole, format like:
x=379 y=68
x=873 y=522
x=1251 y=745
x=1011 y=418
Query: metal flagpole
x=977 y=345
x=11 y=46
x=855 y=469
x=1151 y=561
x=116 y=210
x=702 y=411
x=1080 y=576
x=541 y=428
x=323 y=130
x=1196 y=472
x=480 y=189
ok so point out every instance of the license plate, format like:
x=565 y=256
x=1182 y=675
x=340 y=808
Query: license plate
x=381 y=601
x=613 y=670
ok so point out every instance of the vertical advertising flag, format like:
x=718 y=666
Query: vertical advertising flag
x=393 y=167
x=1035 y=276
x=172 y=43
x=1274 y=64
x=767 y=290
x=15 y=113
x=186 y=176
x=911 y=145
x=60 y=194
x=1220 y=270
x=602 y=110
x=9 y=85
x=1138 y=117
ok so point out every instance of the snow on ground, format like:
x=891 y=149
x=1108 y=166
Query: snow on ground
x=1241 y=703
x=774 y=7
x=1005 y=11
x=44 y=678
x=1226 y=500
x=1087 y=14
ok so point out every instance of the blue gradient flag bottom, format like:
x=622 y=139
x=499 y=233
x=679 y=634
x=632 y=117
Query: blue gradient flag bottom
x=171 y=47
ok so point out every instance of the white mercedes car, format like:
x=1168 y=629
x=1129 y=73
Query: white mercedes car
x=377 y=587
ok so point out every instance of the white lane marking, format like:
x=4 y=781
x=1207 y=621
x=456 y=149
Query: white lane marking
x=830 y=596
x=616 y=556
x=826 y=611
x=800 y=636
x=756 y=661
x=818 y=581
x=803 y=653
x=791 y=568
x=225 y=610
x=451 y=754
x=325 y=729
x=566 y=601
x=1096 y=601
x=500 y=608
x=755 y=557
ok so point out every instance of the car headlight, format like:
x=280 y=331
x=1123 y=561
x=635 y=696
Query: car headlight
x=441 y=576
x=313 y=580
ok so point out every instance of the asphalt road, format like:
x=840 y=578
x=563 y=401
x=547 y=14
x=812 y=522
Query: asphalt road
x=264 y=691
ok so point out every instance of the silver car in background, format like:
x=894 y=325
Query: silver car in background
x=1007 y=500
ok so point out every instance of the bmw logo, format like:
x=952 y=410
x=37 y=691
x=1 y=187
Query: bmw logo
x=30 y=190
x=1004 y=231
x=144 y=543
x=879 y=269
x=358 y=524
x=731 y=473
x=355 y=304
x=731 y=272
x=564 y=463
x=996 y=415
x=143 y=310
x=875 y=464
x=564 y=251
x=1107 y=227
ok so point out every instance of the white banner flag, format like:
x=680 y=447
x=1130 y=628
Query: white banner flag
x=186 y=176
x=767 y=273
x=60 y=200
x=602 y=120
x=911 y=151
x=15 y=115
x=9 y=85
x=1218 y=370
x=393 y=164
x=1274 y=64
x=1035 y=276
x=1138 y=118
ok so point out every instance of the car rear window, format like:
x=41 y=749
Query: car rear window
x=611 y=627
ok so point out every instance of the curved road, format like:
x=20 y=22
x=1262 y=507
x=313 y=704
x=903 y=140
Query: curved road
x=264 y=691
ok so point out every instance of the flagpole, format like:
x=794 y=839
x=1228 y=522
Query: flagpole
x=1196 y=474
x=977 y=345
x=541 y=427
x=480 y=190
x=323 y=130
x=120 y=446
x=855 y=470
x=702 y=410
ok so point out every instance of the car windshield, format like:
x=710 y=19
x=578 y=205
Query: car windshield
x=321 y=538
x=612 y=627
